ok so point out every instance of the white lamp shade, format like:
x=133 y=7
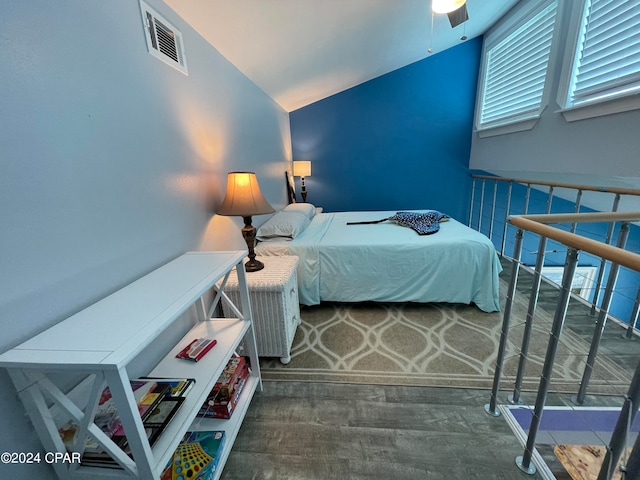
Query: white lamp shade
x=302 y=168
x=446 y=6
x=243 y=197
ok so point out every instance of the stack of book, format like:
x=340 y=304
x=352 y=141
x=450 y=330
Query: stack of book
x=158 y=400
x=224 y=396
x=197 y=456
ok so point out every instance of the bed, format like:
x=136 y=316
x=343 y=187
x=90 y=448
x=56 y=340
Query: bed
x=382 y=262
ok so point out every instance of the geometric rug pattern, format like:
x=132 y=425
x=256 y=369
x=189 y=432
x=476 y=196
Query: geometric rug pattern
x=433 y=344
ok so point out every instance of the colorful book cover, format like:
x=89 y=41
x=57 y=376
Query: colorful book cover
x=146 y=392
x=197 y=456
x=163 y=412
x=146 y=405
x=179 y=386
x=107 y=416
x=140 y=388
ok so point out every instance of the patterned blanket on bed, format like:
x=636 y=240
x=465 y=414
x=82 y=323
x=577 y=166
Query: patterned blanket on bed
x=424 y=223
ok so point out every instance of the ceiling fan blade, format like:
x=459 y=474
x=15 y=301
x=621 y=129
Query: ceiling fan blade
x=458 y=16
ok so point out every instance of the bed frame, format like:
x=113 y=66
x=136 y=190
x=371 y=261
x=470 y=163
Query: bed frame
x=291 y=187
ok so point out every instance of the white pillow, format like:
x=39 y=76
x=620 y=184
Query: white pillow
x=304 y=208
x=283 y=225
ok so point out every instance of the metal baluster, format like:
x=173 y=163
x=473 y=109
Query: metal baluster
x=524 y=461
x=506 y=216
x=493 y=209
x=603 y=262
x=633 y=318
x=533 y=301
x=602 y=319
x=490 y=408
x=576 y=210
x=481 y=205
x=619 y=436
x=473 y=192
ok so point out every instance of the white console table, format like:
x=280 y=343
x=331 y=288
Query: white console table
x=102 y=339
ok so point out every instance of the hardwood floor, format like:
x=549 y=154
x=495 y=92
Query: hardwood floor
x=305 y=431
x=300 y=431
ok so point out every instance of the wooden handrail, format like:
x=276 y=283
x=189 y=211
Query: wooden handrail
x=588 y=188
x=539 y=224
x=584 y=217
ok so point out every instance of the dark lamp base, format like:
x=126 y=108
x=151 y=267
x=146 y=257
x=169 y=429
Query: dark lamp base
x=249 y=235
x=253 y=265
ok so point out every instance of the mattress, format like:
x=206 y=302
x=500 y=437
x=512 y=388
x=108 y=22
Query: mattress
x=386 y=262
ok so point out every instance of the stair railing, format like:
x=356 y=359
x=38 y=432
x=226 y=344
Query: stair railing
x=618 y=256
x=486 y=180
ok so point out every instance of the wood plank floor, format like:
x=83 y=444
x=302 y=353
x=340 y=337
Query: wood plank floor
x=305 y=431
x=300 y=431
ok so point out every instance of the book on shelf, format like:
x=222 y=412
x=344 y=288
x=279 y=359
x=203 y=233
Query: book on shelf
x=197 y=456
x=179 y=386
x=106 y=416
x=157 y=399
x=154 y=424
x=162 y=414
x=146 y=405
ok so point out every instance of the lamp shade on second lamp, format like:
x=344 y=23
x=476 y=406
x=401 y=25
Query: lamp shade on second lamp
x=302 y=168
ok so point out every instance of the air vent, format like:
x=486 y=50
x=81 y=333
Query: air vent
x=164 y=41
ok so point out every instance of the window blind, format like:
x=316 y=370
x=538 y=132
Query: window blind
x=608 y=53
x=515 y=72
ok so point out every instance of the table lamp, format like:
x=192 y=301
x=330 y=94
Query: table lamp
x=244 y=199
x=302 y=168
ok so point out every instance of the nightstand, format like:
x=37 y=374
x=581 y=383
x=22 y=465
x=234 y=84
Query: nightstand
x=273 y=292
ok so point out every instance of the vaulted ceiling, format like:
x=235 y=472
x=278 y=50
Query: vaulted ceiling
x=301 y=51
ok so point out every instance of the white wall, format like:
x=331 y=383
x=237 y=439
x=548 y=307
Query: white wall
x=111 y=163
x=600 y=151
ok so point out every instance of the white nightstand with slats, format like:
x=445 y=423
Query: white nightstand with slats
x=273 y=292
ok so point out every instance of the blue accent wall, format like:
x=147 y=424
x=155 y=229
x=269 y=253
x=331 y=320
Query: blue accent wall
x=399 y=141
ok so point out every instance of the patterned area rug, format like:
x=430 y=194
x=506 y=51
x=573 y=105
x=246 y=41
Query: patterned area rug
x=432 y=345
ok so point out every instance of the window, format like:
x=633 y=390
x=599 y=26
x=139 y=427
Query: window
x=514 y=72
x=582 y=282
x=605 y=60
x=164 y=41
